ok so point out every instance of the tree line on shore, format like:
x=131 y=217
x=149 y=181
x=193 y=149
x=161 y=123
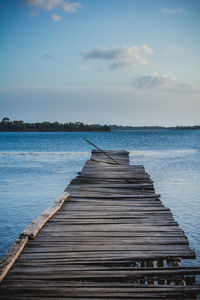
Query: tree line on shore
x=7 y=125
x=119 y=127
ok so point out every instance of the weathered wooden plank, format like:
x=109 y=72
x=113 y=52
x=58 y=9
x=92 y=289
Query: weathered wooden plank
x=111 y=240
x=104 y=269
x=122 y=285
x=80 y=271
x=111 y=171
x=71 y=207
x=113 y=152
x=82 y=207
x=136 y=221
x=111 y=221
x=63 y=293
x=95 y=201
x=114 y=176
x=111 y=191
x=155 y=215
x=118 y=213
x=99 y=296
x=114 y=185
x=113 y=196
x=116 y=290
x=35 y=226
x=128 y=234
x=112 y=227
x=11 y=256
x=113 y=255
x=102 y=247
x=85 y=180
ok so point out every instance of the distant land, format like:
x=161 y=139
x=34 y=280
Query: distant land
x=119 y=127
x=11 y=126
x=20 y=126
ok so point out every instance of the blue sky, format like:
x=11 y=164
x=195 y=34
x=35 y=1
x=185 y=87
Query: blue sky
x=124 y=62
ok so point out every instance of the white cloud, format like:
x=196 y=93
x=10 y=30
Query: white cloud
x=174 y=50
x=43 y=4
x=71 y=6
x=163 y=83
x=123 y=57
x=50 y=5
x=56 y=18
x=146 y=50
x=172 y=11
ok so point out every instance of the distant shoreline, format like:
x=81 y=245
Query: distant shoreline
x=20 y=126
x=111 y=130
x=57 y=130
x=157 y=128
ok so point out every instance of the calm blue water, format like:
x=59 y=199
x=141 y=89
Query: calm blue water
x=36 y=167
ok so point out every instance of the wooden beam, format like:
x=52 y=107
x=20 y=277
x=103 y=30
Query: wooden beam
x=37 y=224
x=11 y=256
x=30 y=232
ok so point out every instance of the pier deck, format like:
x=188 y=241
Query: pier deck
x=111 y=239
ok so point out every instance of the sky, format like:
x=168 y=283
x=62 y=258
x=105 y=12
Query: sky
x=125 y=62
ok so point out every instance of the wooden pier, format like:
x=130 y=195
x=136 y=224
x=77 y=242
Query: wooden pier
x=108 y=236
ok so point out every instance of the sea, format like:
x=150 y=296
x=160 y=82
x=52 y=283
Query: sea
x=35 y=168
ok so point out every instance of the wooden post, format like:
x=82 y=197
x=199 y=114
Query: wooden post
x=143 y=265
x=150 y=264
x=161 y=264
x=176 y=262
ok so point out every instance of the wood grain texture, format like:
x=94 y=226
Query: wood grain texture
x=11 y=256
x=32 y=230
x=112 y=239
